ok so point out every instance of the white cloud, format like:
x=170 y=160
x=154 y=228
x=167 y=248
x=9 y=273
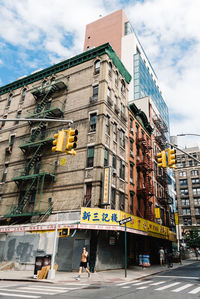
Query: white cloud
x=165 y=27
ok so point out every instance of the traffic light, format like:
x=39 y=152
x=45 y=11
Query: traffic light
x=71 y=141
x=65 y=232
x=161 y=159
x=171 y=157
x=58 y=142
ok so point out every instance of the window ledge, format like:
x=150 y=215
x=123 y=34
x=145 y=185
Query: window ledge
x=89 y=168
x=91 y=132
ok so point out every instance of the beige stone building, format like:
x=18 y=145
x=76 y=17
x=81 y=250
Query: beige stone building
x=187 y=175
x=36 y=183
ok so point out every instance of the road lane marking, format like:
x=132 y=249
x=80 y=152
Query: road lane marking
x=17 y=295
x=183 y=287
x=167 y=286
x=195 y=291
x=157 y=283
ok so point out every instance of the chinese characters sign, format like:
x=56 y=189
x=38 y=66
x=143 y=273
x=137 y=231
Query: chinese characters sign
x=112 y=217
x=106 y=187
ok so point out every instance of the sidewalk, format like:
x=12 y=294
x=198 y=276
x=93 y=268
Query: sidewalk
x=135 y=272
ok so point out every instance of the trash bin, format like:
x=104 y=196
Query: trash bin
x=41 y=261
x=146 y=260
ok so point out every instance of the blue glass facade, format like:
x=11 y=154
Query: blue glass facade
x=144 y=85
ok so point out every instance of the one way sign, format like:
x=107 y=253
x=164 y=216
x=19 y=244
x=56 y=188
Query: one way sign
x=125 y=220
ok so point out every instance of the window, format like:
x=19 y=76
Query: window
x=122 y=108
x=23 y=96
x=113 y=198
x=131 y=123
x=108 y=93
x=121 y=201
x=108 y=124
x=183 y=182
x=182 y=173
x=3 y=122
x=131 y=202
x=12 y=140
x=185 y=202
x=122 y=87
x=44 y=83
x=131 y=147
x=9 y=100
x=196 y=191
x=19 y=113
x=93 y=120
x=122 y=138
x=4 y=173
x=194 y=172
x=116 y=78
x=88 y=195
x=95 y=92
x=197 y=201
x=187 y=221
x=97 y=67
x=105 y=157
x=122 y=170
x=115 y=132
x=137 y=131
x=90 y=158
x=131 y=173
x=197 y=211
x=184 y=191
x=186 y=211
x=114 y=161
x=190 y=163
x=195 y=181
x=110 y=69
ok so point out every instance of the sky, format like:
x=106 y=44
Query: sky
x=35 y=34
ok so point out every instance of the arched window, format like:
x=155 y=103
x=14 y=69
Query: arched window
x=97 y=67
x=44 y=83
x=9 y=100
x=122 y=87
x=110 y=69
x=23 y=95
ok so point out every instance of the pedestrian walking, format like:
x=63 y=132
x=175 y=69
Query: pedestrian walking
x=83 y=263
x=162 y=256
x=196 y=253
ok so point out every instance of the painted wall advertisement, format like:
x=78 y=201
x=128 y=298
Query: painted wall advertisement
x=112 y=217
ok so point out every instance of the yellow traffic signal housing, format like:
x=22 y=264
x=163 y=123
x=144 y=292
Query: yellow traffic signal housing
x=161 y=159
x=171 y=158
x=71 y=141
x=58 y=142
x=65 y=232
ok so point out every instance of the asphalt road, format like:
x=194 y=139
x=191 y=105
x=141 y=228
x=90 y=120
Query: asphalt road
x=183 y=282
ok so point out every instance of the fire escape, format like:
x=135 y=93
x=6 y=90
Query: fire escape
x=162 y=128
x=37 y=174
x=144 y=165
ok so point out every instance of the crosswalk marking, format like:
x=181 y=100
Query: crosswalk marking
x=195 y=291
x=143 y=282
x=141 y=288
x=44 y=291
x=183 y=287
x=17 y=295
x=27 y=291
x=167 y=286
x=157 y=283
x=128 y=282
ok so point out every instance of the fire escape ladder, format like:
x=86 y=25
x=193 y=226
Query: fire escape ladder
x=25 y=199
x=34 y=158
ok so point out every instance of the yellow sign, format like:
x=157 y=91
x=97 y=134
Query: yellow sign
x=106 y=187
x=176 y=218
x=112 y=217
x=63 y=161
x=157 y=213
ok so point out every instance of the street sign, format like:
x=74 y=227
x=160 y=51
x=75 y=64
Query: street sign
x=125 y=220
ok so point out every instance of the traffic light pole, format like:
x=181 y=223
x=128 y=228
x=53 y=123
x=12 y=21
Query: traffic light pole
x=176 y=147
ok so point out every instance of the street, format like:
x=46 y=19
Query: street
x=182 y=283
